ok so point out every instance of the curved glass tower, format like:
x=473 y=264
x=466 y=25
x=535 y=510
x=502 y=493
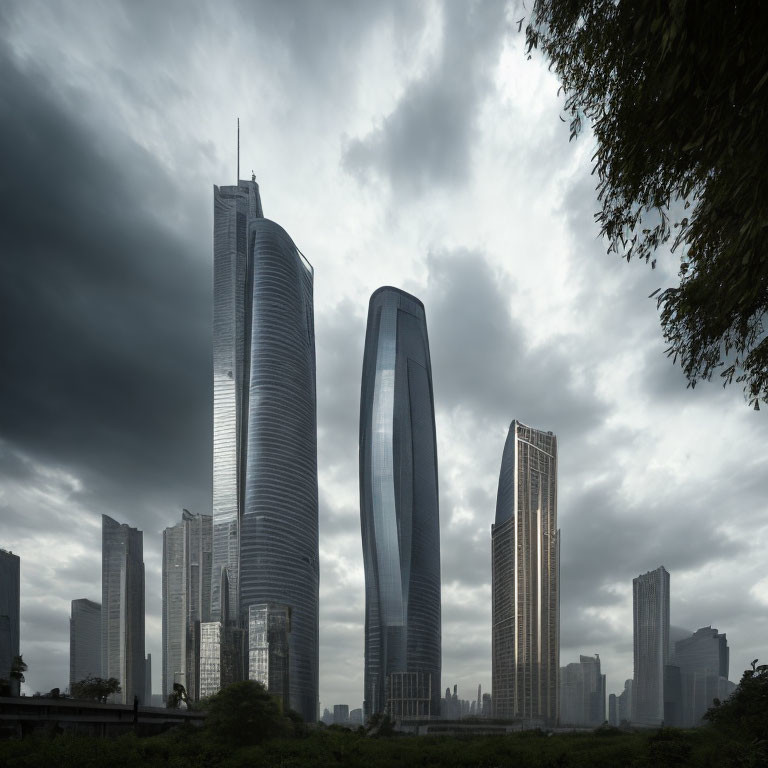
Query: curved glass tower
x=265 y=526
x=399 y=511
x=526 y=579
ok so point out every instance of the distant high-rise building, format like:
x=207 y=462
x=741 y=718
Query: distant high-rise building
x=487 y=705
x=84 y=640
x=651 y=645
x=186 y=599
x=269 y=634
x=613 y=710
x=340 y=713
x=265 y=527
x=703 y=660
x=582 y=693
x=625 y=703
x=526 y=579
x=10 y=598
x=356 y=716
x=399 y=510
x=122 y=608
x=148 y=680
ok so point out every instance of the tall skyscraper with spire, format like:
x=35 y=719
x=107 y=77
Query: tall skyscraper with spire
x=265 y=527
x=122 y=608
x=399 y=511
x=526 y=579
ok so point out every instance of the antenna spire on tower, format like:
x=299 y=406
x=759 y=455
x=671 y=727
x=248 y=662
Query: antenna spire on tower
x=237 y=181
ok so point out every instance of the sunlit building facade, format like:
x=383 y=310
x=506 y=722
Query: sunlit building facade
x=650 y=605
x=122 y=608
x=265 y=525
x=187 y=563
x=84 y=640
x=526 y=579
x=221 y=648
x=399 y=511
x=269 y=631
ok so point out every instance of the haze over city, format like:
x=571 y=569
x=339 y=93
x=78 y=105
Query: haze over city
x=400 y=144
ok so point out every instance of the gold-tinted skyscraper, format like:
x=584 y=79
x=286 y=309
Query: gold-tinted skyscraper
x=526 y=579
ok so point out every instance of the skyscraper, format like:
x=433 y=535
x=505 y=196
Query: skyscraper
x=582 y=693
x=625 y=703
x=265 y=528
x=122 y=608
x=703 y=660
x=10 y=595
x=186 y=599
x=399 y=510
x=526 y=579
x=147 y=698
x=650 y=603
x=84 y=640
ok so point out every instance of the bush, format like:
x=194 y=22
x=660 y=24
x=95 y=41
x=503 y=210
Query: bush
x=244 y=714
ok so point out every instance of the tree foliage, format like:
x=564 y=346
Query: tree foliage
x=676 y=93
x=245 y=714
x=18 y=668
x=177 y=696
x=746 y=711
x=95 y=688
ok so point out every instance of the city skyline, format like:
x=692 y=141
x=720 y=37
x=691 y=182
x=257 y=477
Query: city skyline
x=436 y=162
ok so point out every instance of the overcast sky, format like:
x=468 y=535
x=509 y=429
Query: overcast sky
x=402 y=143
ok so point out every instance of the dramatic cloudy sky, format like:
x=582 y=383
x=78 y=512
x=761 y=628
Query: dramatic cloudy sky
x=399 y=143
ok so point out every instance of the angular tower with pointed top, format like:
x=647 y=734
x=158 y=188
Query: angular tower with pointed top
x=525 y=565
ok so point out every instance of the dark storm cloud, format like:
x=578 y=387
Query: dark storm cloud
x=427 y=139
x=480 y=358
x=105 y=355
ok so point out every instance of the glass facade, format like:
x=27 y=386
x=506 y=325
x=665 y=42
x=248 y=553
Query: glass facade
x=210 y=658
x=233 y=209
x=265 y=528
x=650 y=604
x=9 y=614
x=220 y=647
x=269 y=631
x=526 y=579
x=84 y=640
x=409 y=695
x=399 y=511
x=122 y=608
x=187 y=563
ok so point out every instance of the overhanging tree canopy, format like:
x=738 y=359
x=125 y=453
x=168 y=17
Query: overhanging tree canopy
x=676 y=93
